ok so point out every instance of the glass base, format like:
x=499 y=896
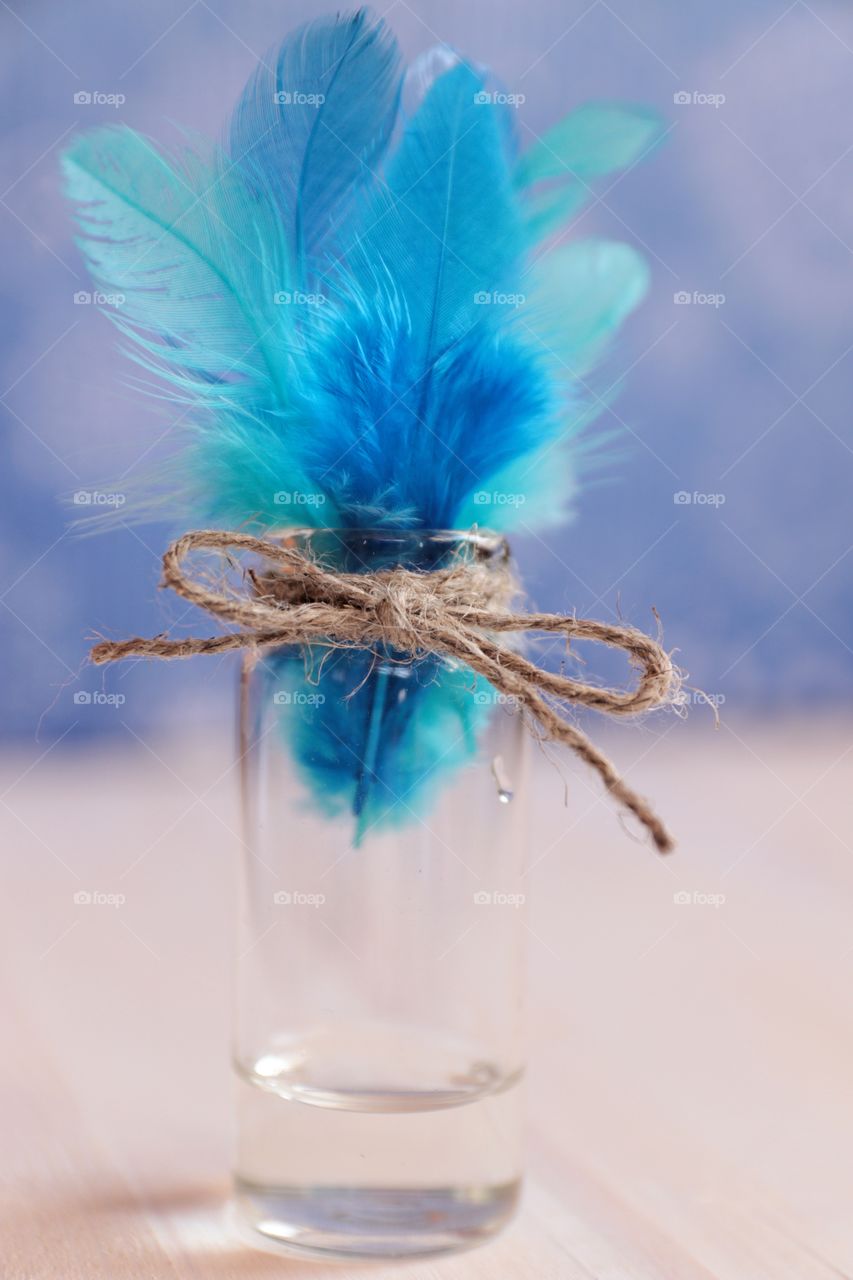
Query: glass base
x=367 y=1222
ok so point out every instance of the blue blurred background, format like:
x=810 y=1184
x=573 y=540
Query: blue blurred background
x=739 y=367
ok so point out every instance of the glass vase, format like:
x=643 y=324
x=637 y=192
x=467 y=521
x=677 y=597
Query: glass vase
x=378 y=1037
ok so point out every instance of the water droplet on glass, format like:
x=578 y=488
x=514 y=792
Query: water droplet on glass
x=503 y=783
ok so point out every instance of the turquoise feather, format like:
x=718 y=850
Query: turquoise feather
x=594 y=140
x=591 y=142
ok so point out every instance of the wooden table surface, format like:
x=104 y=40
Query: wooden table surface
x=691 y=1063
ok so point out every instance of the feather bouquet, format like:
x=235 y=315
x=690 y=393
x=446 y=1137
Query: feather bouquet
x=363 y=308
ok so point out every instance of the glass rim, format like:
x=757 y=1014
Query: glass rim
x=483 y=540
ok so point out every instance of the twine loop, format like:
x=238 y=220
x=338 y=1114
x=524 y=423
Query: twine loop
x=458 y=613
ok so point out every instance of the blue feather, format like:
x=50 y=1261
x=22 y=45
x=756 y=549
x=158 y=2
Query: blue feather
x=348 y=307
x=444 y=224
x=424 y=360
x=312 y=125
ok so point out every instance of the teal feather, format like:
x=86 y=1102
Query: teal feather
x=592 y=142
x=196 y=265
x=583 y=292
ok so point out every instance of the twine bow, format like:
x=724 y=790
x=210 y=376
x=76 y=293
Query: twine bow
x=456 y=612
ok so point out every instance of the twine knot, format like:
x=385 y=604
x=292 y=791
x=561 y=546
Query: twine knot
x=398 y=622
x=457 y=613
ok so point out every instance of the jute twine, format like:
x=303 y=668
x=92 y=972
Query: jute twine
x=457 y=613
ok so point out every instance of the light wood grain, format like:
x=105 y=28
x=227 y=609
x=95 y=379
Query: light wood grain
x=691 y=1110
